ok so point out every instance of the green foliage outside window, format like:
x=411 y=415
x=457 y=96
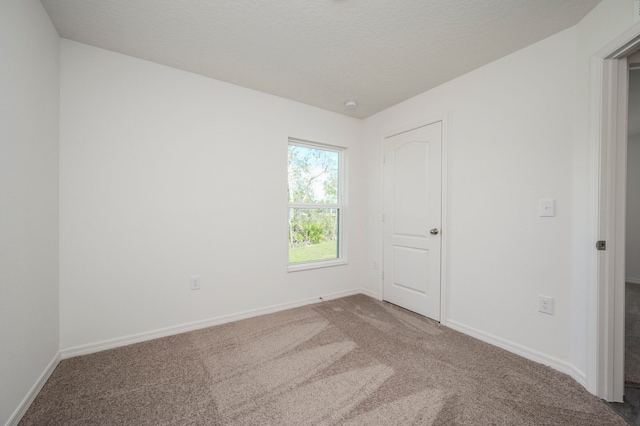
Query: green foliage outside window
x=314 y=212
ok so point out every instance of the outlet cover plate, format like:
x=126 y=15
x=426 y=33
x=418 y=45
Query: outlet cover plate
x=545 y=305
x=195 y=282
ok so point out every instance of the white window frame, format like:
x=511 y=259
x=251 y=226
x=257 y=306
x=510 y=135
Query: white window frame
x=339 y=206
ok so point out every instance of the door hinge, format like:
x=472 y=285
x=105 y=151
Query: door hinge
x=384 y=159
x=601 y=245
x=383 y=217
x=382 y=275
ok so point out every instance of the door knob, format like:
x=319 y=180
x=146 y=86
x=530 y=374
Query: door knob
x=434 y=231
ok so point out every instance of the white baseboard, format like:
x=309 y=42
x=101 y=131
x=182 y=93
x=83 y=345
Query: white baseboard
x=196 y=325
x=533 y=355
x=33 y=392
x=633 y=280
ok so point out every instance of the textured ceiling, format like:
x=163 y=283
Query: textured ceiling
x=319 y=52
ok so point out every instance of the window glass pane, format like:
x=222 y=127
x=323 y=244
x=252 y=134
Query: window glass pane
x=313 y=234
x=313 y=175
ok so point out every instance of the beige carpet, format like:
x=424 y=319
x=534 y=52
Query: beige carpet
x=352 y=361
x=632 y=335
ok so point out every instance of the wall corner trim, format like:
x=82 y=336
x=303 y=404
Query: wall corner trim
x=371 y=294
x=528 y=353
x=33 y=392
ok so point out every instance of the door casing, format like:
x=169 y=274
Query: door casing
x=608 y=140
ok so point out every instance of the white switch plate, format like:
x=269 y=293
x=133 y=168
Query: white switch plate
x=547 y=207
x=545 y=304
x=195 y=282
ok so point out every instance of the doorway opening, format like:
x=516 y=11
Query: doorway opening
x=632 y=238
x=610 y=114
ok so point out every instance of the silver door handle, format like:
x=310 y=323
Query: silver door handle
x=434 y=231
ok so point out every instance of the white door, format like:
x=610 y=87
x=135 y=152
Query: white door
x=412 y=219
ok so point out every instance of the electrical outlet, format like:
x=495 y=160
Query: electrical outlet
x=195 y=282
x=545 y=305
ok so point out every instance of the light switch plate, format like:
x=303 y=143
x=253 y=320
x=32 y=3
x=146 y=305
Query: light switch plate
x=547 y=208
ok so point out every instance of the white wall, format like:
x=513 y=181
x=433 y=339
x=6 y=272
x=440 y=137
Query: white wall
x=167 y=174
x=633 y=211
x=509 y=145
x=29 y=111
x=517 y=132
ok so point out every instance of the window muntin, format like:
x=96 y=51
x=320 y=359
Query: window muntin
x=315 y=194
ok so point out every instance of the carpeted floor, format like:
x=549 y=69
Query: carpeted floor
x=351 y=361
x=632 y=334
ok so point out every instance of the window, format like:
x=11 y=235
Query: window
x=315 y=191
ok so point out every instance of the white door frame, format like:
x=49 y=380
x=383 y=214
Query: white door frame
x=444 y=206
x=608 y=140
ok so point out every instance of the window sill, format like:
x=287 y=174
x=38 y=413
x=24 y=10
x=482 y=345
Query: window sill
x=316 y=265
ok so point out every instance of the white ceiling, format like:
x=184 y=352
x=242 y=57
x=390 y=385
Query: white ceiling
x=319 y=52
